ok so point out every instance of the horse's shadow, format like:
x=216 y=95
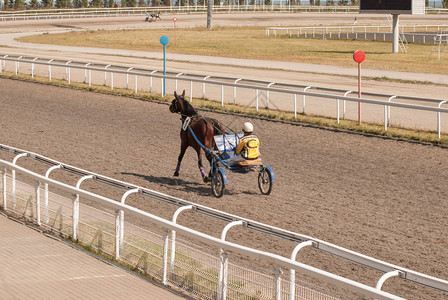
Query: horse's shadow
x=177 y=183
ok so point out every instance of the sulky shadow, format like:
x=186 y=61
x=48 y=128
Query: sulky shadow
x=200 y=188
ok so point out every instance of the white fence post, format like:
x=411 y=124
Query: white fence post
x=14 y=179
x=123 y=199
x=304 y=99
x=4 y=188
x=267 y=94
x=105 y=75
x=117 y=234
x=37 y=192
x=32 y=68
x=165 y=256
x=295 y=106
x=135 y=83
x=438 y=120
x=49 y=69
x=203 y=87
x=278 y=283
x=292 y=272
x=173 y=236
x=85 y=72
x=67 y=71
x=234 y=91
x=47 y=174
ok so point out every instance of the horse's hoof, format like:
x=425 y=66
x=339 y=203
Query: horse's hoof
x=176 y=174
x=206 y=179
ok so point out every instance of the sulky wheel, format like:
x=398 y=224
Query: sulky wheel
x=218 y=184
x=265 y=181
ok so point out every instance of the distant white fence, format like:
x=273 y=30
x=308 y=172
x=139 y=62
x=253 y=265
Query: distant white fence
x=108 y=227
x=417 y=33
x=236 y=84
x=186 y=9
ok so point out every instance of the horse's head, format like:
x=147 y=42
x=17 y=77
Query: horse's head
x=181 y=106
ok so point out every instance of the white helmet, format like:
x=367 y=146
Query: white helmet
x=248 y=127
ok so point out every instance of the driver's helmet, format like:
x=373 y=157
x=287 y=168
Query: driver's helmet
x=248 y=127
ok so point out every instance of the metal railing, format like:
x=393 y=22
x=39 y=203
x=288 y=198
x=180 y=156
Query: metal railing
x=42 y=217
x=324 y=30
x=236 y=83
x=188 y=9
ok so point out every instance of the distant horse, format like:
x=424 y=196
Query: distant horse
x=204 y=129
x=156 y=16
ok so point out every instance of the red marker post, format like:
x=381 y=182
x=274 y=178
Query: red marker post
x=359 y=57
x=174 y=24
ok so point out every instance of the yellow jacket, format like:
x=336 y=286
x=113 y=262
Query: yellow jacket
x=248 y=147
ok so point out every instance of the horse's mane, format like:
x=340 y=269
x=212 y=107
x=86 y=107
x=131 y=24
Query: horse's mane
x=189 y=109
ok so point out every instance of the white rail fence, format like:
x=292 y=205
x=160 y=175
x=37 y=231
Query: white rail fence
x=186 y=9
x=282 y=90
x=99 y=222
x=417 y=33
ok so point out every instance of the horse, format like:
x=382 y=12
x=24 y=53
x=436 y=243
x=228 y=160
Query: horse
x=204 y=129
x=156 y=16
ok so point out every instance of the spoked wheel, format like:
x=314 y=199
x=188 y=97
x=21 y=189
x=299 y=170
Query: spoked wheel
x=265 y=181
x=218 y=184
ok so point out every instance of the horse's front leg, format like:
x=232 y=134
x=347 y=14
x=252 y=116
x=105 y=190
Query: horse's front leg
x=183 y=148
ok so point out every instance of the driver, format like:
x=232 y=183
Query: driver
x=247 y=146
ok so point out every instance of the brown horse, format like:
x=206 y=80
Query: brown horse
x=204 y=129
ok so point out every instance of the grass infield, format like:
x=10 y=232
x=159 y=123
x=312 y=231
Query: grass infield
x=251 y=42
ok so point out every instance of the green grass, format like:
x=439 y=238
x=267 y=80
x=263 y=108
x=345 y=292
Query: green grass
x=251 y=43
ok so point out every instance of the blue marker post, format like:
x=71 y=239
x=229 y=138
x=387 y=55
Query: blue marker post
x=164 y=40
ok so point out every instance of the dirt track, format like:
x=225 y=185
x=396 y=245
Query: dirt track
x=381 y=197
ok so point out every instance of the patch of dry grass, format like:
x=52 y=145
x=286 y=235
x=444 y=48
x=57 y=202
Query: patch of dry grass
x=251 y=42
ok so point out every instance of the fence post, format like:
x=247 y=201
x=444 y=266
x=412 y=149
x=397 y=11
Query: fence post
x=18 y=65
x=14 y=179
x=173 y=235
x=438 y=119
x=4 y=188
x=67 y=71
x=304 y=99
x=234 y=91
x=292 y=272
x=176 y=79
x=49 y=69
x=256 y=96
x=278 y=283
x=47 y=174
x=165 y=256
x=117 y=234
x=127 y=78
x=222 y=95
x=343 y=104
x=203 y=87
x=388 y=110
x=37 y=192
x=105 y=75
x=85 y=72
x=32 y=68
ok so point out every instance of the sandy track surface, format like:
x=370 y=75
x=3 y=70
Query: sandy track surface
x=381 y=197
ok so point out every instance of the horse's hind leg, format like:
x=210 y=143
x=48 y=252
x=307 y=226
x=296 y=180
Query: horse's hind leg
x=201 y=166
x=183 y=148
